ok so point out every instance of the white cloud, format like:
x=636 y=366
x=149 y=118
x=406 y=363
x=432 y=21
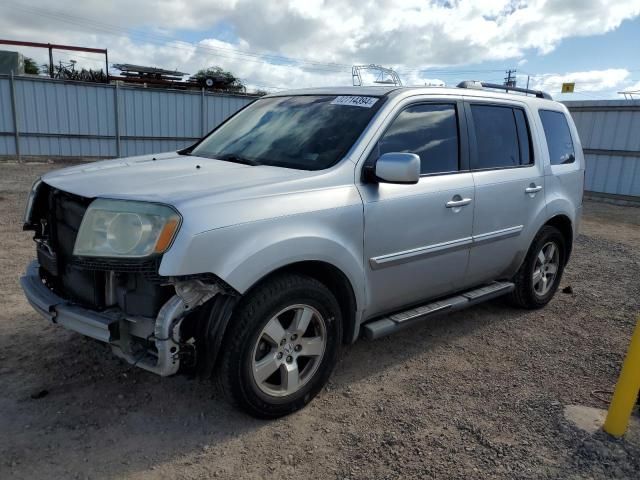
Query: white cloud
x=585 y=82
x=635 y=87
x=410 y=35
x=419 y=79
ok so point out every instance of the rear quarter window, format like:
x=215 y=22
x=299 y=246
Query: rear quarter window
x=558 y=134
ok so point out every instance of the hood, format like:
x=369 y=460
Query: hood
x=172 y=178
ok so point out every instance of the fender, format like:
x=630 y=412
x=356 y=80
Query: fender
x=557 y=207
x=243 y=254
x=560 y=205
x=528 y=234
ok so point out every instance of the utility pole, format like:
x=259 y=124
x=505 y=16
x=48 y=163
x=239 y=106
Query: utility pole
x=510 y=79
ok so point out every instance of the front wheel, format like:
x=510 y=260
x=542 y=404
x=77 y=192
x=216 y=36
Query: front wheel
x=539 y=276
x=281 y=346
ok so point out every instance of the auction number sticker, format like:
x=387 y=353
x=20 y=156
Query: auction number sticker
x=355 y=101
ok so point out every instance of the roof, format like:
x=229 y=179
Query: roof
x=393 y=91
x=371 y=91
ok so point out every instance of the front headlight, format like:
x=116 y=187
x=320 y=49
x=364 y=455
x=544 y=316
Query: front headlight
x=122 y=228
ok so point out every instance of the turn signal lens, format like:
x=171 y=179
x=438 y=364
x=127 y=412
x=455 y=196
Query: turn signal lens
x=166 y=236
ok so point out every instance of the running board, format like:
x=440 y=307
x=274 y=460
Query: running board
x=397 y=321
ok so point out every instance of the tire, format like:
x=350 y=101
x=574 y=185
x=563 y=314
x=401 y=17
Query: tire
x=300 y=363
x=533 y=293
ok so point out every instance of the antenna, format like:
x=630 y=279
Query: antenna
x=384 y=76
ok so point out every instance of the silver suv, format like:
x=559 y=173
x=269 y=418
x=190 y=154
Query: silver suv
x=306 y=220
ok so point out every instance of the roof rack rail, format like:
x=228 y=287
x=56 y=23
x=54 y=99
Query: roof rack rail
x=482 y=85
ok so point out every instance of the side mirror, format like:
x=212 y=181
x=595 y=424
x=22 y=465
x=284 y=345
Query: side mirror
x=398 y=168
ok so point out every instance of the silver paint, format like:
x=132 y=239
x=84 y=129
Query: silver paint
x=243 y=222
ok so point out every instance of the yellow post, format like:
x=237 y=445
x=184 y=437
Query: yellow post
x=627 y=388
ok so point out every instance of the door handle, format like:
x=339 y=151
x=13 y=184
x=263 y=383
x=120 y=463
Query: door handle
x=533 y=189
x=458 y=203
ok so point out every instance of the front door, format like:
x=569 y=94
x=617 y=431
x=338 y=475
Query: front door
x=417 y=237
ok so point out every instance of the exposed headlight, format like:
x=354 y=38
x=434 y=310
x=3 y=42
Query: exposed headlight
x=122 y=228
x=28 y=209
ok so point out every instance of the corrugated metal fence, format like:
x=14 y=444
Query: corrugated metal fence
x=74 y=119
x=610 y=135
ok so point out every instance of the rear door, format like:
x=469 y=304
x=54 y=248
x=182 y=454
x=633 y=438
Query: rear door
x=509 y=180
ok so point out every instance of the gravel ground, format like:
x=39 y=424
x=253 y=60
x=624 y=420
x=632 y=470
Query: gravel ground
x=477 y=394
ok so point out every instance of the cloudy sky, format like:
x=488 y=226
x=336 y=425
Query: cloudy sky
x=300 y=43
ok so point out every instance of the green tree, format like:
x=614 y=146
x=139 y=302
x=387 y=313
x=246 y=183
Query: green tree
x=218 y=79
x=30 y=66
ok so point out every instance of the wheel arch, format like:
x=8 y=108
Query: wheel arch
x=563 y=223
x=559 y=220
x=331 y=277
x=212 y=323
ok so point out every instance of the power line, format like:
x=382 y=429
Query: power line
x=589 y=95
x=448 y=71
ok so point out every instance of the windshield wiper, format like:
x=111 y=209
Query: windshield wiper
x=232 y=157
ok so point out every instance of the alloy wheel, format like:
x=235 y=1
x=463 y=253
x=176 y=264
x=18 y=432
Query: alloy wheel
x=546 y=268
x=289 y=350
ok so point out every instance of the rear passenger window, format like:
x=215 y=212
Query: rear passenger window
x=559 y=141
x=502 y=137
x=430 y=131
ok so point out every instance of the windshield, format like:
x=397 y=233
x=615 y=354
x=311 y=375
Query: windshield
x=303 y=132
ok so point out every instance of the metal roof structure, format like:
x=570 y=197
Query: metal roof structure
x=140 y=71
x=383 y=75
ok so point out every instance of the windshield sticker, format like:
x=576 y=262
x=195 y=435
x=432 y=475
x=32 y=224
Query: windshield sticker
x=353 y=101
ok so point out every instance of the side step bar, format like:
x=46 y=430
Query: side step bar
x=397 y=321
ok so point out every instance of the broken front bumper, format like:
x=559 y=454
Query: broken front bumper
x=125 y=334
x=58 y=310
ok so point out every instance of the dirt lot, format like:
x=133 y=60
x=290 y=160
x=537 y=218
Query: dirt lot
x=478 y=394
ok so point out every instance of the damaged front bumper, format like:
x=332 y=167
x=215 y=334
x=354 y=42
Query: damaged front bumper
x=129 y=336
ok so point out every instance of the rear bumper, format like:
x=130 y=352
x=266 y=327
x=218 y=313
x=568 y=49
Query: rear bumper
x=57 y=310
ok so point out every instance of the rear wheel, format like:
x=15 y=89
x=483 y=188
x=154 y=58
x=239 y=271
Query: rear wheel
x=539 y=276
x=281 y=346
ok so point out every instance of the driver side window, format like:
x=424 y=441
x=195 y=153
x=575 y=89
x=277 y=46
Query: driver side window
x=428 y=130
